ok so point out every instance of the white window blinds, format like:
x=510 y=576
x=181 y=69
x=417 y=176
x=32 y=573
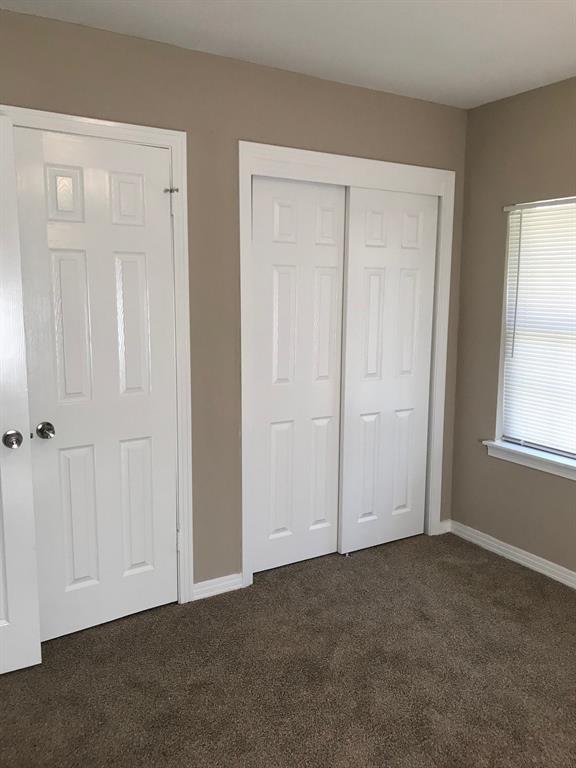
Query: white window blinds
x=539 y=370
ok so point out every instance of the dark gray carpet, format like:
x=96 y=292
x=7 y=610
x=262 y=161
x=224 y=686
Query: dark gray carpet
x=423 y=653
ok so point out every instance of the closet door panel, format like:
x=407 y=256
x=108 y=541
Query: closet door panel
x=292 y=335
x=388 y=335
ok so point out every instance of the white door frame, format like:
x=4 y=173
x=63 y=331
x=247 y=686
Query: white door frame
x=175 y=142
x=304 y=165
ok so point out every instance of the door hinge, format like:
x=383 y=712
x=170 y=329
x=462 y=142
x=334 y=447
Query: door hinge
x=171 y=191
x=179 y=541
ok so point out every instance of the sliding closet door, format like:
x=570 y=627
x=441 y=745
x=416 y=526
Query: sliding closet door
x=389 y=312
x=292 y=350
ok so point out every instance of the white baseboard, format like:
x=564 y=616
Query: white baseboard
x=217 y=586
x=548 y=568
x=557 y=572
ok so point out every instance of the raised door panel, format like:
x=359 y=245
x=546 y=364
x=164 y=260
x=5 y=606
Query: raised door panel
x=285 y=221
x=403 y=461
x=325 y=350
x=407 y=320
x=326 y=225
x=127 y=198
x=281 y=478
x=137 y=505
x=322 y=459
x=411 y=229
x=376 y=230
x=65 y=193
x=72 y=324
x=373 y=313
x=133 y=322
x=284 y=323
x=370 y=445
x=78 y=489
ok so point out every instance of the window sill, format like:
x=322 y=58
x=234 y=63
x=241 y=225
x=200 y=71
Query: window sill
x=533 y=458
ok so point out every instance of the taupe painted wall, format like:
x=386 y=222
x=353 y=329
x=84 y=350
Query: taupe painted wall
x=518 y=149
x=71 y=69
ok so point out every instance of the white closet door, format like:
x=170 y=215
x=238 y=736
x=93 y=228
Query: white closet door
x=99 y=318
x=19 y=625
x=292 y=337
x=389 y=314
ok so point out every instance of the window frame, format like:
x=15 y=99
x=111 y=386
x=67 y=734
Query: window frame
x=507 y=450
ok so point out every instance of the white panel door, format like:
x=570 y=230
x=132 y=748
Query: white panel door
x=389 y=314
x=292 y=336
x=19 y=628
x=99 y=319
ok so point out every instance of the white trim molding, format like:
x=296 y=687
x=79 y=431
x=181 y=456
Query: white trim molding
x=319 y=167
x=544 y=461
x=218 y=586
x=517 y=555
x=175 y=143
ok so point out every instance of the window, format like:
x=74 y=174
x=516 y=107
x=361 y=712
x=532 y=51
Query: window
x=538 y=373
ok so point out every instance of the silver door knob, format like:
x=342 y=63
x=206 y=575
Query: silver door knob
x=45 y=430
x=12 y=438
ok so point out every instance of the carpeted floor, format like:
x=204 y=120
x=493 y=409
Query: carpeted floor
x=423 y=653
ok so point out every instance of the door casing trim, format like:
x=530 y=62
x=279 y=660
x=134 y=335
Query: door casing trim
x=175 y=142
x=319 y=167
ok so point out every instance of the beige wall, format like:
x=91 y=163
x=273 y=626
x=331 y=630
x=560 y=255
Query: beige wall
x=71 y=69
x=518 y=149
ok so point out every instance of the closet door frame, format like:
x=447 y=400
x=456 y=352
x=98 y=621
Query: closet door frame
x=319 y=167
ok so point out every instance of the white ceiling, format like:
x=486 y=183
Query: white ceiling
x=459 y=52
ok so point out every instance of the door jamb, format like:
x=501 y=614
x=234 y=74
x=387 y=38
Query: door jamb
x=304 y=165
x=175 y=142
